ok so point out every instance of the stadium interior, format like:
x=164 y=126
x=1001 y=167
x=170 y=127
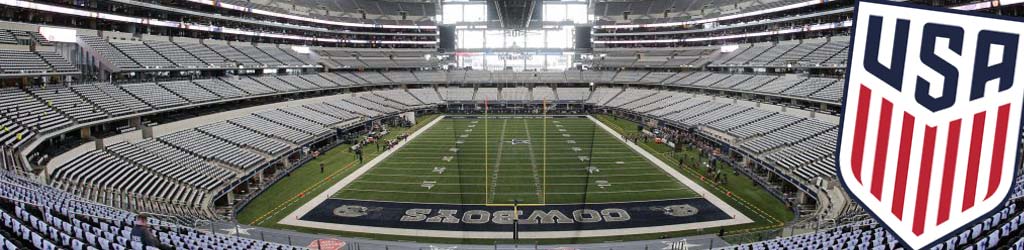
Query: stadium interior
x=213 y=121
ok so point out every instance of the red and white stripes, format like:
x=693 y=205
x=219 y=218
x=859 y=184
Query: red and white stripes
x=922 y=170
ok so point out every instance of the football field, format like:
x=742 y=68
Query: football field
x=514 y=159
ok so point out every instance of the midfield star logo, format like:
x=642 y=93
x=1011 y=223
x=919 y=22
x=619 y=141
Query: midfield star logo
x=931 y=118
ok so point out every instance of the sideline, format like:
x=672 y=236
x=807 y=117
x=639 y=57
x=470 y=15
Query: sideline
x=704 y=193
x=292 y=219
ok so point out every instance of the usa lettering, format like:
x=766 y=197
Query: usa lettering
x=1003 y=71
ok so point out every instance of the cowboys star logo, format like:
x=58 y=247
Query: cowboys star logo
x=931 y=117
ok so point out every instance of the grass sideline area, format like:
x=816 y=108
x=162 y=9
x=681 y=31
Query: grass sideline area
x=498 y=160
x=283 y=197
x=306 y=181
x=740 y=191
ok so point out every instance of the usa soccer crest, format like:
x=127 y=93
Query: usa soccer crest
x=931 y=120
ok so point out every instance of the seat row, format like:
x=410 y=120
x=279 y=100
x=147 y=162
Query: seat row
x=36 y=216
x=154 y=55
x=18 y=62
x=989 y=233
x=798 y=144
x=177 y=173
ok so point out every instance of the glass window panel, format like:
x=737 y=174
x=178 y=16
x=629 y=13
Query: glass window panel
x=535 y=39
x=474 y=13
x=554 y=12
x=495 y=39
x=577 y=13
x=471 y=39
x=460 y=38
x=560 y=39
x=452 y=13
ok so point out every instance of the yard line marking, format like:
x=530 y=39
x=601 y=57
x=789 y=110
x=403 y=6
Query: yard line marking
x=487 y=168
x=433 y=153
x=517 y=184
x=533 y=162
x=497 y=160
x=394 y=168
x=293 y=218
x=273 y=212
x=515 y=193
x=525 y=176
x=697 y=188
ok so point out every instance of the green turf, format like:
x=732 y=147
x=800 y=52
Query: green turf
x=740 y=192
x=306 y=182
x=488 y=168
x=282 y=197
